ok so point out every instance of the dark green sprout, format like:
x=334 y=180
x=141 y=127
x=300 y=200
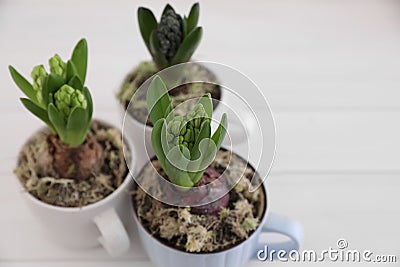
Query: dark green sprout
x=174 y=39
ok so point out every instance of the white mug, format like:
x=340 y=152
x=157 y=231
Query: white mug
x=101 y=223
x=164 y=256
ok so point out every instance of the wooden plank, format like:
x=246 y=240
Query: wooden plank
x=312 y=142
x=314 y=56
x=79 y=263
x=360 y=208
x=337 y=141
x=330 y=72
x=148 y=264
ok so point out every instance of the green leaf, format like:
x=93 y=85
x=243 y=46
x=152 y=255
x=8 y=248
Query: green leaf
x=198 y=156
x=196 y=176
x=77 y=119
x=89 y=100
x=206 y=101
x=208 y=151
x=185 y=151
x=156 y=141
x=51 y=84
x=23 y=84
x=176 y=168
x=168 y=113
x=193 y=17
x=179 y=177
x=71 y=70
x=158 y=100
x=37 y=111
x=156 y=53
x=57 y=120
x=76 y=83
x=79 y=58
x=77 y=127
x=147 y=23
x=220 y=133
x=188 y=46
x=205 y=132
x=184 y=28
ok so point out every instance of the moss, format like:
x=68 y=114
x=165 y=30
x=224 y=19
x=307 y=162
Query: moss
x=34 y=160
x=135 y=79
x=197 y=237
x=146 y=69
x=224 y=213
x=250 y=224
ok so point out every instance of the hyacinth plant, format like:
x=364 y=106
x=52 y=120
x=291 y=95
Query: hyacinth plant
x=170 y=41
x=206 y=214
x=60 y=99
x=184 y=145
x=174 y=39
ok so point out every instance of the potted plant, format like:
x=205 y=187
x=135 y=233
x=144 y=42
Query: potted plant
x=73 y=171
x=192 y=204
x=171 y=41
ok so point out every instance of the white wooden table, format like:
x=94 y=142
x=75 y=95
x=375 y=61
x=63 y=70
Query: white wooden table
x=330 y=70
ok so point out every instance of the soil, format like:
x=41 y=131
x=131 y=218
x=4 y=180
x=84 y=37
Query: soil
x=183 y=229
x=41 y=179
x=178 y=94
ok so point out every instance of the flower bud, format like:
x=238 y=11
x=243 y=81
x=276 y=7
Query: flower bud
x=58 y=66
x=67 y=98
x=170 y=33
x=38 y=75
x=187 y=127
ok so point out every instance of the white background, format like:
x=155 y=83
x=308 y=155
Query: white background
x=330 y=70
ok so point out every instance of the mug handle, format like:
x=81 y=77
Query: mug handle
x=279 y=224
x=114 y=237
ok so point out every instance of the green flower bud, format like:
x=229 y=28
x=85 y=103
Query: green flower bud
x=197 y=122
x=58 y=66
x=183 y=130
x=187 y=135
x=188 y=127
x=38 y=75
x=67 y=98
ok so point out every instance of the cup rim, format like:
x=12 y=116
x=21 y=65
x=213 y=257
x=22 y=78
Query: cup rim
x=175 y=250
x=127 y=181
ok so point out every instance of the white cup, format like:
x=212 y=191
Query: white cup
x=101 y=223
x=164 y=256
